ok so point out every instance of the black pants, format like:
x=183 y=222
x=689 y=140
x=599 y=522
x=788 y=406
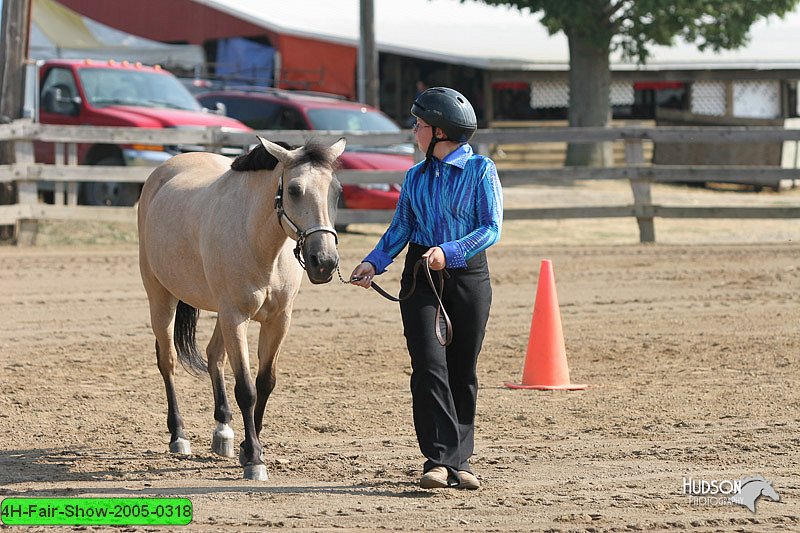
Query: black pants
x=444 y=384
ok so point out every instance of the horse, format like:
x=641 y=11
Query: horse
x=234 y=238
x=753 y=488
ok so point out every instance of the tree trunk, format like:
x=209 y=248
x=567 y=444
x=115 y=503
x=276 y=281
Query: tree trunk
x=13 y=51
x=589 y=99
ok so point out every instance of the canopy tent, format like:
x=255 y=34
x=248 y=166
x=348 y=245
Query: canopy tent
x=59 y=32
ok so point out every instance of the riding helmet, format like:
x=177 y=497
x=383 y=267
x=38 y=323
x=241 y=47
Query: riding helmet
x=448 y=110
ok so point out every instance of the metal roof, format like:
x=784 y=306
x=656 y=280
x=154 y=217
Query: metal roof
x=493 y=37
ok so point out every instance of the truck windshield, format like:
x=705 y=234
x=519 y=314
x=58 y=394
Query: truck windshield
x=350 y=120
x=113 y=86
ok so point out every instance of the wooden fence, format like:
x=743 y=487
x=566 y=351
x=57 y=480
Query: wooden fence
x=66 y=173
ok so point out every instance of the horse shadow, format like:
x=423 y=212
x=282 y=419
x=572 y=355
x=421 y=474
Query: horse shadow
x=55 y=466
x=58 y=465
x=753 y=488
x=18 y=466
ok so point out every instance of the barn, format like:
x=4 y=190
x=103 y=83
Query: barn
x=501 y=58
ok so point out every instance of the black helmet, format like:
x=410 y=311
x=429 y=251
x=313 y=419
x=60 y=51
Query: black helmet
x=448 y=110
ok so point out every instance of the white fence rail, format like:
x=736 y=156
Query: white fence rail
x=67 y=173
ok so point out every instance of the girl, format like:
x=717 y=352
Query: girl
x=450 y=210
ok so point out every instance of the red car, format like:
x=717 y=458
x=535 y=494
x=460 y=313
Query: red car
x=275 y=109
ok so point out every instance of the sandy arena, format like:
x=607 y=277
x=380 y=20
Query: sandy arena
x=691 y=346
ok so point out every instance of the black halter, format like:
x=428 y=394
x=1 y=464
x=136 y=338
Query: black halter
x=301 y=235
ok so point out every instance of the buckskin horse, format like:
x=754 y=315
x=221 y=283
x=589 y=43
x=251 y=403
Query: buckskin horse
x=234 y=238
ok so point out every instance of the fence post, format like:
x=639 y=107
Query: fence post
x=72 y=186
x=215 y=145
x=642 y=198
x=58 y=186
x=27 y=194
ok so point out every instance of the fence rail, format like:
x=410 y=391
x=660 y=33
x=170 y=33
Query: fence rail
x=27 y=174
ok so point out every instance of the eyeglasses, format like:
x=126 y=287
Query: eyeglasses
x=415 y=128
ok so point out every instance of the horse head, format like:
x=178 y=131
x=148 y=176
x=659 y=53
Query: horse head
x=754 y=487
x=769 y=491
x=306 y=200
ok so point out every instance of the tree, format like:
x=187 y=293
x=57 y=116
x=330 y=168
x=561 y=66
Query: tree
x=595 y=28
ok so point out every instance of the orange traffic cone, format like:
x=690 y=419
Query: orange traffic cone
x=546 y=361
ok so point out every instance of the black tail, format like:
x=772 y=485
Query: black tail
x=184 y=338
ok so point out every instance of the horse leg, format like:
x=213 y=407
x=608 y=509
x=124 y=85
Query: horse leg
x=162 y=315
x=234 y=331
x=222 y=440
x=270 y=338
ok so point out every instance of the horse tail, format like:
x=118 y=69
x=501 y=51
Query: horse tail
x=185 y=341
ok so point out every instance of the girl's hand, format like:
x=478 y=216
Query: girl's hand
x=435 y=257
x=362 y=275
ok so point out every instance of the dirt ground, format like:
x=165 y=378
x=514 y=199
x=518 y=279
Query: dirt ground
x=691 y=347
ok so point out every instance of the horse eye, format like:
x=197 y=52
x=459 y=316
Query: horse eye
x=295 y=190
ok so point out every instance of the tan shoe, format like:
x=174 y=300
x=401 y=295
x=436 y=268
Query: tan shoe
x=435 y=478
x=467 y=480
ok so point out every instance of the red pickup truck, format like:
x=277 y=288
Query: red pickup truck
x=108 y=93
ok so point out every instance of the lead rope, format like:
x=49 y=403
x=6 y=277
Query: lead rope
x=445 y=339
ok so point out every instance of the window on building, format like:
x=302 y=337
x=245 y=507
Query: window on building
x=549 y=99
x=649 y=96
x=512 y=100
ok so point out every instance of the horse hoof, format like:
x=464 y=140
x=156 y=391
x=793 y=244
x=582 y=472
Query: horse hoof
x=222 y=446
x=180 y=446
x=256 y=472
x=222 y=441
x=243 y=459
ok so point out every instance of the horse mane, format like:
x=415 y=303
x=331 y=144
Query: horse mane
x=258 y=158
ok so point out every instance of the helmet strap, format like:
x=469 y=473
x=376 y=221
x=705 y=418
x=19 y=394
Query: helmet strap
x=431 y=146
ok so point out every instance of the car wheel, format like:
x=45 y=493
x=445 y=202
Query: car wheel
x=110 y=193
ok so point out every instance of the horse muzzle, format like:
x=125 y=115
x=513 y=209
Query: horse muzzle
x=321 y=257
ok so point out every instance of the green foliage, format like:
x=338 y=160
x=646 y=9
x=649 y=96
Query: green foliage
x=633 y=25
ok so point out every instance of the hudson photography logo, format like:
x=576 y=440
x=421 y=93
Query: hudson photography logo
x=744 y=492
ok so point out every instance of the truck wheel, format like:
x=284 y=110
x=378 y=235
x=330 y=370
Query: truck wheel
x=111 y=193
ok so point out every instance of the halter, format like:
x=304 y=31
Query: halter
x=301 y=235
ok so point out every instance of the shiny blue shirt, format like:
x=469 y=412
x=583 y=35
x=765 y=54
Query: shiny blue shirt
x=456 y=204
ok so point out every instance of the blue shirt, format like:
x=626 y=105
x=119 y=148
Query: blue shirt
x=456 y=204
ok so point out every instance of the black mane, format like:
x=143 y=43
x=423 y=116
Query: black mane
x=258 y=158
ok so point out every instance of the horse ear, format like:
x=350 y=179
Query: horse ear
x=281 y=154
x=338 y=147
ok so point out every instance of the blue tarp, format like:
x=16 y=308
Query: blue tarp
x=245 y=61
